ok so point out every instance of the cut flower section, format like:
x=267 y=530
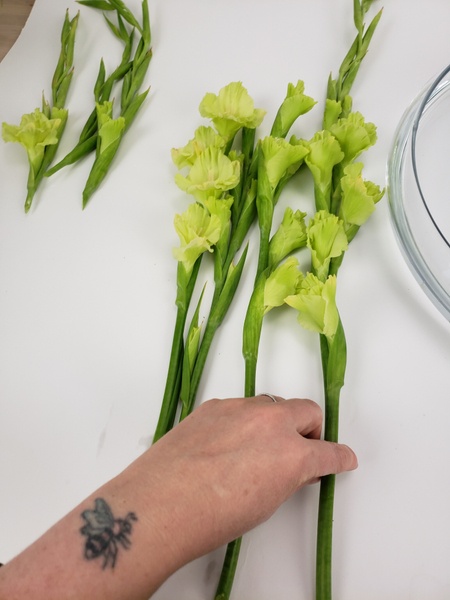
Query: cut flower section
x=231 y=110
x=283 y=282
x=211 y=175
x=316 y=303
x=34 y=133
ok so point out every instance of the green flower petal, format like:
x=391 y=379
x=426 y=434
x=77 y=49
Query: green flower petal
x=198 y=232
x=290 y=236
x=358 y=196
x=354 y=135
x=203 y=138
x=232 y=109
x=316 y=303
x=211 y=175
x=279 y=156
x=326 y=240
x=294 y=105
x=222 y=209
x=283 y=282
x=34 y=133
x=104 y=112
x=324 y=153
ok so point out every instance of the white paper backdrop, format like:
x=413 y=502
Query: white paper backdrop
x=87 y=297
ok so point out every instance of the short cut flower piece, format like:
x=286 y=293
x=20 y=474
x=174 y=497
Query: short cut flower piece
x=204 y=138
x=198 y=232
x=211 y=175
x=231 y=110
x=35 y=132
x=316 y=303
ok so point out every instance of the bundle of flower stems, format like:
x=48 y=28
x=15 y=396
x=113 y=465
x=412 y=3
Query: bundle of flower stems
x=102 y=132
x=231 y=188
x=40 y=132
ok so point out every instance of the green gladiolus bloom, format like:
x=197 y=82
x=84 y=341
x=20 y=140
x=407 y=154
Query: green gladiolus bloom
x=232 y=109
x=316 y=303
x=198 y=232
x=281 y=156
x=283 y=282
x=35 y=132
x=354 y=136
x=324 y=153
x=358 y=196
x=294 y=105
x=326 y=240
x=211 y=175
x=291 y=235
x=203 y=138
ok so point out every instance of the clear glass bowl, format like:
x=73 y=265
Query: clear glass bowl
x=419 y=192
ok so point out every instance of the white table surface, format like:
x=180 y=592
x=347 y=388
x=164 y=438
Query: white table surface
x=87 y=298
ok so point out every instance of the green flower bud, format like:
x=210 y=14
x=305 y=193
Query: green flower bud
x=294 y=105
x=326 y=240
x=316 y=303
x=198 y=232
x=290 y=236
x=211 y=175
x=232 y=109
x=283 y=282
x=358 y=196
x=203 y=138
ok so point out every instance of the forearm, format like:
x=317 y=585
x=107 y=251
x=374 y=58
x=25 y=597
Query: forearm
x=128 y=560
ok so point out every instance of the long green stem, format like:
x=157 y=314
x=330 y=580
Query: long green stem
x=173 y=381
x=334 y=359
x=229 y=569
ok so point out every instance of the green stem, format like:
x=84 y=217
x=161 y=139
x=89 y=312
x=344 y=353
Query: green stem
x=229 y=569
x=173 y=382
x=170 y=400
x=334 y=358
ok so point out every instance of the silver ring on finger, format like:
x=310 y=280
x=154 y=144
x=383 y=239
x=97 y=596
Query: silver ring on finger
x=269 y=396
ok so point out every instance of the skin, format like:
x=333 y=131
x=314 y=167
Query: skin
x=225 y=469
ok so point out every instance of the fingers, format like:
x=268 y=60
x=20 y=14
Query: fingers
x=330 y=458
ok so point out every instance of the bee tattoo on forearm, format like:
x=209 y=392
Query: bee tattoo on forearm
x=104 y=533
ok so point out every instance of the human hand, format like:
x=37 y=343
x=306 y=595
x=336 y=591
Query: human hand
x=233 y=462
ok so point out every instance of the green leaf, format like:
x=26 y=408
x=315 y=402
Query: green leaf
x=100 y=4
